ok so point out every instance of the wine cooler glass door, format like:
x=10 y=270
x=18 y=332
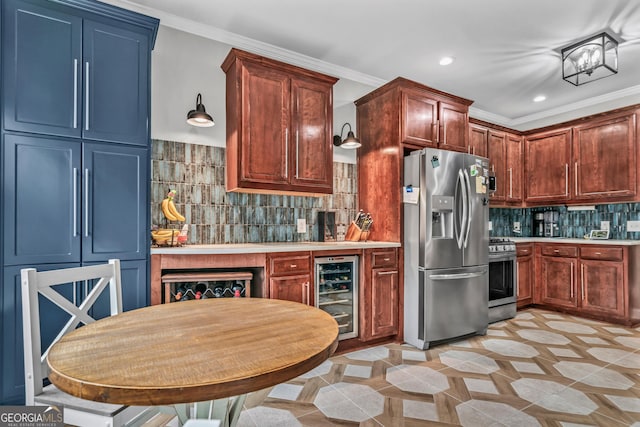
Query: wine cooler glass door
x=337 y=291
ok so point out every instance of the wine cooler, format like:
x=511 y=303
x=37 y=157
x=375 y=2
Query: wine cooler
x=337 y=291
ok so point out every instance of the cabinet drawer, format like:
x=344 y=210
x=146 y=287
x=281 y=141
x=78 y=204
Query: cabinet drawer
x=290 y=264
x=524 y=249
x=607 y=254
x=560 y=250
x=385 y=259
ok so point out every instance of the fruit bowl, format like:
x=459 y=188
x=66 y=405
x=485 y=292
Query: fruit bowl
x=166 y=237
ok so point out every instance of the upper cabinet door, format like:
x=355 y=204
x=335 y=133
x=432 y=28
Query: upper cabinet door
x=264 y=154
x=453 y=122
x=41 y=199
x=497 y=150
x=604 y=156
x=311 y=139
x=547 y=163
x=115 y=71
x=419 y=119
x=41 y=60
x=478 y=137
x=513 y=171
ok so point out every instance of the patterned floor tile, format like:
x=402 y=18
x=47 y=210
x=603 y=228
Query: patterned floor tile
x=540 y=369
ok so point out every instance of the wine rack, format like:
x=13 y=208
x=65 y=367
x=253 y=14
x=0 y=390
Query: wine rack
x=202 y=285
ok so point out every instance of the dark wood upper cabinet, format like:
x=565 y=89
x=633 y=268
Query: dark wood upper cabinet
x=513 y=168
x=478 y=140
x=497 y=162
x=279 y=126
x=429 y=118
x=604 y=158
x=453 y=123
x=547 y=163
x=419 y=119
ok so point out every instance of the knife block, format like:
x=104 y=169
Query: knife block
x=355 y=233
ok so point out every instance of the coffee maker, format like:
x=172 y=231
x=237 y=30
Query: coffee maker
x=538 y=224
x=545 y=222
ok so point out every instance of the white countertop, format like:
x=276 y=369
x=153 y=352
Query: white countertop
x=244 y=248
x=574 y=241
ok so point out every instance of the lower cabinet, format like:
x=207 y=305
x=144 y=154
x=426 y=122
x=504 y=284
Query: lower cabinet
x=603 y=280
x=585 y=279
x=380 y=294
x=290 y=277
x=525 y=273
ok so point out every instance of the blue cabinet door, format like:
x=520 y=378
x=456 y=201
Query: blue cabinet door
x=115 y=208
x=135 y=286
x=11 y=344
x=41 y=198
x=116 y=84
x=41 y=69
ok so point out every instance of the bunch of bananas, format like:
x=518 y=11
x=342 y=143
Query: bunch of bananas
x=163 y=236
x=169 y=208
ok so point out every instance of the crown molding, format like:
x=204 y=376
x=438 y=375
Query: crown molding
x=252 y=45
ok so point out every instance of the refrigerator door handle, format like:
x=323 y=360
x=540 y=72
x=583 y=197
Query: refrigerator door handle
x=456 y=276
x=461 y=228
x=468 y=202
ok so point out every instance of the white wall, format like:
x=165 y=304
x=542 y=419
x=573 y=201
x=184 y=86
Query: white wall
x=184 y=65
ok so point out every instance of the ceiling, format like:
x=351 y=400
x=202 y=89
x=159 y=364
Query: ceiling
x=506 y=51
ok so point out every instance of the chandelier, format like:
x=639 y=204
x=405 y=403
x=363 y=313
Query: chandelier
x=590 y=59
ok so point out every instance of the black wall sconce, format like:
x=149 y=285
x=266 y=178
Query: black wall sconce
x=350 y=143
x=199 y=116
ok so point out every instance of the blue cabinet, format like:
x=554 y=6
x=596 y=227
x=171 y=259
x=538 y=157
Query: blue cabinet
x=41 y=200
x=115 y=202
x=41 y=54
x=74 y=154
x=71 y=76
x=66 y=201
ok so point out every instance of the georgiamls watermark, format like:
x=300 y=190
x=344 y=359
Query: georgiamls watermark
x=31 y=416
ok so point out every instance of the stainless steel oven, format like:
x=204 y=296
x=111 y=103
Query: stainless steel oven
x=503 y=284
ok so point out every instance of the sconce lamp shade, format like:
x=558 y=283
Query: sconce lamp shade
x=199 y=116
x=350 y=142
x=590 y=59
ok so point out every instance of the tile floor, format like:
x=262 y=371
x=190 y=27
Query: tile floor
x=539 y=369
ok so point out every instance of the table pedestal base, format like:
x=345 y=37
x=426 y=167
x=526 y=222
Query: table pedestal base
x=226 y=411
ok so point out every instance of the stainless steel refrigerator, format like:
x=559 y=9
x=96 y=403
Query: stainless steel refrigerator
x=446 y=244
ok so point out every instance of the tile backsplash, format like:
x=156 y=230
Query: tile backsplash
x=572 y=223
x=197 y=173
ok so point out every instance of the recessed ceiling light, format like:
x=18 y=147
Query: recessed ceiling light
x=446 y=60
x=539 y=98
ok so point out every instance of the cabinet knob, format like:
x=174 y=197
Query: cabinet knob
x=387 y=259
x=293 y=266
x=556 y=251
x=598 y=253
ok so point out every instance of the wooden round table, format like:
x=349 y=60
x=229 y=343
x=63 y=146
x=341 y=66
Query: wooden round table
x=192 y=351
